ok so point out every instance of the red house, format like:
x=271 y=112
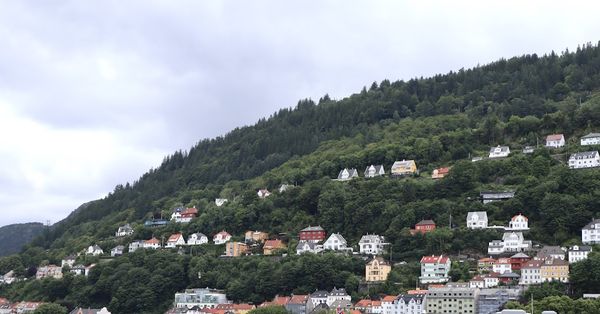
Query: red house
x=518 y=260
x=423 y=226
x=314 y=234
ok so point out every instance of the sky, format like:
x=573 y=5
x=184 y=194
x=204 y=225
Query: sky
x=95 y=93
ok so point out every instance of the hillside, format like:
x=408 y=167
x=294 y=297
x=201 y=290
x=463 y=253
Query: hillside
x=439 y=121
x=14 y=237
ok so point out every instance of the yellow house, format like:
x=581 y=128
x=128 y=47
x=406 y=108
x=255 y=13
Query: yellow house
x=271 y=246
x=235 y=249
x=256 y=236
x=377 y=269
x=555 y=269
x=404 y=167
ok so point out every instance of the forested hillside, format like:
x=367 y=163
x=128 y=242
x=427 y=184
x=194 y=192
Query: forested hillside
x=14 y=237
x=439 y=121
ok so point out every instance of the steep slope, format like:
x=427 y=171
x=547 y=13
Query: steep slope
x=14 y=237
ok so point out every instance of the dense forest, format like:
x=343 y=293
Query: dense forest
x=439 y=121
x=14 y=237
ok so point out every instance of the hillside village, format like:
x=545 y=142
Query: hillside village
x=502 y=274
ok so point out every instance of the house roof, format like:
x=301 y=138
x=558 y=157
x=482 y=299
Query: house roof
x=590 y=154
x=502 y=149
x=512 y=235
x=389 y=298
x=198 y=234
x=364 y=303
x=175 y=237
x=341 y=304
x=273 y=244
x=403 y=163
x=339 y=238
x=477 y=215
x=351 y=172
x=319 y=294
x=152 y=241
x=509 y=275
x=425 y=222
x=371 y=238
x=520 y=255
x=434 y=259
x=380 y=260
x=532 y=264
x=549 y=250
x=315 y=228
x=80 y=310
x=591 y=135
x=418 y=296
x=515 y=217
x=223 y=234
x=580 y=248
x=377 y=169
x=298 y=299
x=338 y=292
x=590 y=226
x=487 y=260
x=311 y=245
x=119 y=247
x=417 y=292
x=190 y=211
x=503 y=260
x=554 y=262
x=496 y=193
x=554 y=137
x=443 y=170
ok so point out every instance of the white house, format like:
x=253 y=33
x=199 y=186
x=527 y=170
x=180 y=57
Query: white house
x=434 y=269
x=502 y=265
x=531 y=272
x=117 y=251
x=374 y=171
x=584 y=160
x=528 y=150
x=138 y=244
x=263 y=193
x=590 y=233
x=347 y=174
x=591 y=139
x=499 y=152
x=406 y=304
x=518 y=222
x=477 y=220
x=220 y=201
x=578 y=253
x=494 y=196
x=175 y=240
x=371 y=244
x=284 y=187
x=485 y=281
x=197 y=239
x=555 y=140
x=551 y=251
x=336 y=242
x=337 y=295
x=511 y=242
x=68 y=261
x=124 y=231
x=221 y=237
x=153 y=243
x=305 y=246
x=94 y=250
x=318 y=297
x=201 y=298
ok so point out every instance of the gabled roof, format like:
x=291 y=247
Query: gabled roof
x=580 y=248
x=532 y=264
x=273 y=244
x=339 y=237
x=152 y=241
x=351 y=172
x=298 y=299
x=388 y=298
x=198 y=235
x=478 y=215
x=223 y=234
x=315 y=228
x=548 y=250
x=591 y=224
x=520 y=255
x=515 y=217
x=338 y=292
x=591 y=135
x=509 y=275
x=590 y=154
x=425 y=222
x=403 y=163
x=434 y=259
x=554 y=137
x=319 y=294
x=380 y=260
x=443 y=170
x=377 y=169
x=371 y=238
x=487 y=260
x=503 y=149
x=311 y=245
x=190 y=211
x=175 y=237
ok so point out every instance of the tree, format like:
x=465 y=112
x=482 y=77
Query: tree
x=269 y=310
x=50 y=308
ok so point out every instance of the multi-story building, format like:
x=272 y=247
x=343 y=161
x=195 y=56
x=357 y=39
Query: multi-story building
x=371 y=244
x=578 y=253
x=202 y=298
x=377 y=270
x=256 y=236
x=495 y=196
x=511 y=242
x=314 y=234
x=423 y=226
x=404 y=304
x=553 y=269
x=590 y=233
x=518 y=223
x=499 y=152
x=584 y=160
x=434 y=269
x=555 y=140
x=50 y=271
x=491 y=301
x=590 y=139
x=235 y=249
x=502 y=265
x=452 y=300
x=336 y=242
x=531 y=272
x=297 y=304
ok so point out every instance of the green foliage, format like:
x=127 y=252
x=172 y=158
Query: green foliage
x=14 y=237
x=585 y=274
x=50 y=308
x=269 y=310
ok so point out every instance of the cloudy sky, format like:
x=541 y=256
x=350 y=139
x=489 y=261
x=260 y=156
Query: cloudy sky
x=94 y=93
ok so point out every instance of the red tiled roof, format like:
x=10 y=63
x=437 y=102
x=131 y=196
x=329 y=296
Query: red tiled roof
x=376 y=303
x=515 y=217
x=554 y=137
x=363 y=303
x=487 y=260
x=425 y=222
x=175 y=237
x=190 y=211
x=443 y=170
x=3 y=301
x=503 y=260
x=388 y=298
x=223 y=234
x=281 y=300
x=153 y=241
x=235 y=306
x=273 y=244
x=434 y=259
x=298 y=299
x=417 y=291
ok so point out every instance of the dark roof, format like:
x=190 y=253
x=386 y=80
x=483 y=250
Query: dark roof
x=426 y=222
x=338 y=292
x=315 y=228
x=319 y=294
x=589 y=226
x=579 y=155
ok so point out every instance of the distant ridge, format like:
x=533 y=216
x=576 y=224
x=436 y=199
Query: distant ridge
x=14 y=237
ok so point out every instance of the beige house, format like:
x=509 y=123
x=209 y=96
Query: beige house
x=234 y=249
x=256 y=236
x=404 y=167
x=555 y=269
x=377 y=270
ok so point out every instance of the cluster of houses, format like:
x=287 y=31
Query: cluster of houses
x=312 y=236
x=398 y=169
x=7 y=307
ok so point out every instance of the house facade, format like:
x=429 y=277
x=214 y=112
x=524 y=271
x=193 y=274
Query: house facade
x=403 y=168
x=305 y=246
x=439 y=173
x=434 y=269
x=555 y=140
x=221 y=237
x=336 y=295
x=518 y=260
x=235 y=249
x=553 y=269
x=175 y=240
x=263 y=193
x=531 y=272
x=511 y=242
x=347 y=174
x=336 y=242
x=518 y=223
x=406 y=304
x=550 y=251
x=153 y=243
x=117 y=251
x=134 y=245
x=297 y=304
x=499 y=152
x=582 y=160
x=578 y=253
x=452 y=300
x=492 y=196
x=377 y=270
x=371 y=244
x=271 y=246
x=374 y=171
x=220 y=201
x=491 y=300
x=94 y=250
x=255 y=236
x=124 y=231
x=201 y=298
x=197 y=239
x=590 y=139
x=477 y=220
x=49 y=271
x=590 y=233
x=502 y=265
x=315 y=234
x=423 y=227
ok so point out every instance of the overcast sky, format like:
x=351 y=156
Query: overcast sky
x=94 y=93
